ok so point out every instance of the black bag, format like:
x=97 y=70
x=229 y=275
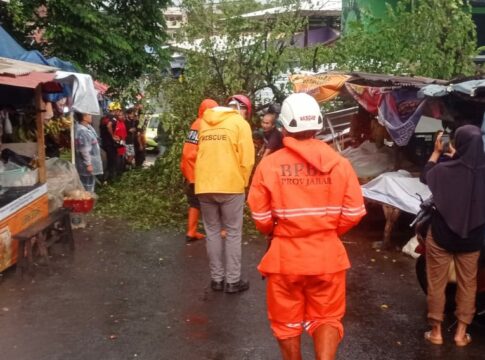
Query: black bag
x=119 y=143
x=422 y=222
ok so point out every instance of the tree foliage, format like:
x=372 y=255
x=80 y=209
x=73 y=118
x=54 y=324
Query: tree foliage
x=431 y=38
x=150 y=197
x=116 y=41
x=239 y=54
x=434 y=38
x=244 y=64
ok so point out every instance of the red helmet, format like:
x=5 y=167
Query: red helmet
x=243 y=100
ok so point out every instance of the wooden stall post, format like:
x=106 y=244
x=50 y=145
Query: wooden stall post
x=73 y=149
x=39 y=120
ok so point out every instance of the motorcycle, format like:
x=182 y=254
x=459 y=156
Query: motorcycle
x=451 y=287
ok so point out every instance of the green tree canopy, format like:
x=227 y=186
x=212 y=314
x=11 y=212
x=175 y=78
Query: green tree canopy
x=431 y=38
x=116 y=40
x=235 y=53
x=434 y=38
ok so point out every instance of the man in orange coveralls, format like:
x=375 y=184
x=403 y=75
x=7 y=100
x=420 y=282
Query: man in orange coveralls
x=187 y=165
x=305 y=196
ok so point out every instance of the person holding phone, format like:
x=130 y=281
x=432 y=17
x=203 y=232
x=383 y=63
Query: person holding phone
x=445 y=140
x=457 y=228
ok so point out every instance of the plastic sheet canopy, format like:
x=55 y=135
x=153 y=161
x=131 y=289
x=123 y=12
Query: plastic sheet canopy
x=323 y=87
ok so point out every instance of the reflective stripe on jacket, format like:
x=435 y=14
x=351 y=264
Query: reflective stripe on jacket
x=189 y=152
x=306 y=195
x=191 y=145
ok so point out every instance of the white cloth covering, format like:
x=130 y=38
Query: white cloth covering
x=84 y=95
x=368 y=160
x=398 y=189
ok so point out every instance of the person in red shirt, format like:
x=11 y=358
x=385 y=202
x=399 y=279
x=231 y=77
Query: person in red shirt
x=109 y=141
x=187 y=166
x=119 y=135
x=304 y=197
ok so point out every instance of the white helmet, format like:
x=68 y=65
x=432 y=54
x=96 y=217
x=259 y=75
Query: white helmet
x=300 y=112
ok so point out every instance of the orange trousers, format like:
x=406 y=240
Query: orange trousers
x=297 y=302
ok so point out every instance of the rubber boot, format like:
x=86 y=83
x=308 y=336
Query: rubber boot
x=193 y=221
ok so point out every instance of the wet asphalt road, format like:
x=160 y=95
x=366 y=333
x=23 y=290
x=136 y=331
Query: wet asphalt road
x=145 y=295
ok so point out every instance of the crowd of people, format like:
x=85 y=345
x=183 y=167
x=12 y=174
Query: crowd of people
x=303 y=196
x=121 y=138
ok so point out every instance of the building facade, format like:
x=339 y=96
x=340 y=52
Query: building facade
x=175 y=18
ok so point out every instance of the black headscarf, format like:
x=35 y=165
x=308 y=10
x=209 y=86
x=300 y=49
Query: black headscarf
x=458 y=186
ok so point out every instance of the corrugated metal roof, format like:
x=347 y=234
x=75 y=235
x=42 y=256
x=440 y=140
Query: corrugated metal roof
x=29 y=81
x=11 y=67
x=381 y=80
x=24 y=74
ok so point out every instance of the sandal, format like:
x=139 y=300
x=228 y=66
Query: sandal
x=432 y=340
x=465 y=341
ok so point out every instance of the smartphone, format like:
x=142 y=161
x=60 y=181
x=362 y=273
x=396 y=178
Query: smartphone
x=445 y=140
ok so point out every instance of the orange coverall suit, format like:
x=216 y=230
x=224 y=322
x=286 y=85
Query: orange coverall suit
x=191 y=145
x=305 y=195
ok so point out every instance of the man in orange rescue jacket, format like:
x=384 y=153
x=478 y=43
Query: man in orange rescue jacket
x=187 y=165
x=305 y=196
x=224 y=163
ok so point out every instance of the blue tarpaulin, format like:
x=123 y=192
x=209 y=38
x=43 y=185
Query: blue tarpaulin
x=9 y=48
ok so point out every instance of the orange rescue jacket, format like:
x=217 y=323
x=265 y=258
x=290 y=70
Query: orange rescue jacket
x=305 y=195
x=191 y=145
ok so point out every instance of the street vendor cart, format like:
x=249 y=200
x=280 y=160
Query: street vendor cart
x=23 y=191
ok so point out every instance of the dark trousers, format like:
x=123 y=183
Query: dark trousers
x=139 y=156
x=192 y=199
x=112 y=163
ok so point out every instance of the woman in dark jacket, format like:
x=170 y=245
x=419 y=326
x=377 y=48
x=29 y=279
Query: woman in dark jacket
x=457 y=229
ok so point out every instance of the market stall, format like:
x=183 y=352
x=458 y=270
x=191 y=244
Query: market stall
x=34 y=98
x=382 y=133
x=393 y=129
x=22 y=202
x=388 y=112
